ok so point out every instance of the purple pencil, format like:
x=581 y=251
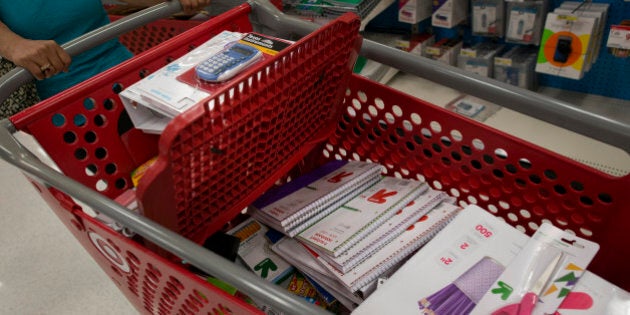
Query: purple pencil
x=461 y=296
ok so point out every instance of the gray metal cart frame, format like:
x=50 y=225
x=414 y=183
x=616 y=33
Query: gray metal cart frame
x=266 y=16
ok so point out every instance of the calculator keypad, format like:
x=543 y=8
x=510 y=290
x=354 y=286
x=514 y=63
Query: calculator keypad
x=225 y=64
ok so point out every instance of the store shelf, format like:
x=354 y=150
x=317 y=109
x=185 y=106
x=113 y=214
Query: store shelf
x=613 y=108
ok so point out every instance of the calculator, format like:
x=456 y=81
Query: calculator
x=227 y=63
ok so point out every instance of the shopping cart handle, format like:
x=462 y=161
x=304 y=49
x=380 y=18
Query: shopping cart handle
x=527 y=102
x=19 y=76
x=267 y=17
x=10 y=149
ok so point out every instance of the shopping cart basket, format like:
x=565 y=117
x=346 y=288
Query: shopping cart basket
x=514 y=179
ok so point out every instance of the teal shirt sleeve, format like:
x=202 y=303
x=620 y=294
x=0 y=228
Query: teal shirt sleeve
x=62 y=21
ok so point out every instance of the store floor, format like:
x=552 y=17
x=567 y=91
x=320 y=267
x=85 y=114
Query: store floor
x=44 y=270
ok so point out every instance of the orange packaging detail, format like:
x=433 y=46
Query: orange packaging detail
x=137 y=174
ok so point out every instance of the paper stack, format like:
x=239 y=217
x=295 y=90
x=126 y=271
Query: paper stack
x=415 y=211
x=293 y=207
x=391 y=255
x=347 y=225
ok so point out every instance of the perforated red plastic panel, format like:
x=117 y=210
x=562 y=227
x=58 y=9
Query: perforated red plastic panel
x=154 y=33
x=516 y=180
x=151 y=283
x=216 y=159
x=86 y=130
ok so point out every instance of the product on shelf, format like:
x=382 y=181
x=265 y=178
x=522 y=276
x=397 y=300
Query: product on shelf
x=479 y=58
x=566 y=46
x=516 y=67
x=525 y=21
x=488 y=17
x=445 y=50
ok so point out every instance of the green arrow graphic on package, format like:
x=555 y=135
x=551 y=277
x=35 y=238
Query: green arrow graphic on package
x=264 y=266
x=504 y=289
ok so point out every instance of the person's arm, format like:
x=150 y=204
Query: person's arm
x=188 y=6
x=43 y=58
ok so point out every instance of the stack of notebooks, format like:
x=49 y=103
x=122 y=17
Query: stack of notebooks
x=345 y=226
x=355 y=219
x=293 y=207
x=380 y=258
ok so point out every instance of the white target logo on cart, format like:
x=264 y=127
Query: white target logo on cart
x=109 y=252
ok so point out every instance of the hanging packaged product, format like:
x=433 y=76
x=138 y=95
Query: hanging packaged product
x=619 y=39
x=524 y=21
x=516 y=67
x=449 y=13
x=594 y=10
x=565 y=46
x=413 y=11
x=488 y=18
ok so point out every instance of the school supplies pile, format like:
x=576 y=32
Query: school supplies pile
x=344 y=225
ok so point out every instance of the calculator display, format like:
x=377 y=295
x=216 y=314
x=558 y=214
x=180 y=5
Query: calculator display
x=242 y=51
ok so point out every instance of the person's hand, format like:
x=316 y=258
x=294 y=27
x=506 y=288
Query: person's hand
x=42 y=58
x=192 y=6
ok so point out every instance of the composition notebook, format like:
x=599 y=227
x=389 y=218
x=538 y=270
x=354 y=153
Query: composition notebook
x=286 y=208
x=390 y=229
x=345 y=226
x=395 y=252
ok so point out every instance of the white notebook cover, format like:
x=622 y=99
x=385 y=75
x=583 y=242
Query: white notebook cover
x=345 y=226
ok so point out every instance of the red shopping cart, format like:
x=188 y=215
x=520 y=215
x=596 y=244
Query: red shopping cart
x=306 y=108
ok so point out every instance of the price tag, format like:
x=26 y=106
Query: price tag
x=484 y=231
x=503 y=61
x=564 y=17
x=433 y=51
x=447 y=259
x=468 y=52
x=465 y=245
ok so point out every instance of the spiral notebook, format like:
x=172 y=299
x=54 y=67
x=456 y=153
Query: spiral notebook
x=345 y=226
x=390 y=229
x=287 y=207
x=394 y=253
